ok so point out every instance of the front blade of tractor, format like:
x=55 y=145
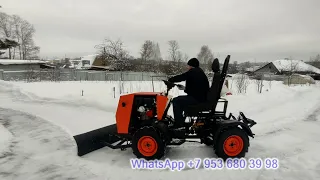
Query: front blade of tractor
x=96 y=139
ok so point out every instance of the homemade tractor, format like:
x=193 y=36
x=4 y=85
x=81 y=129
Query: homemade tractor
x=142 y=123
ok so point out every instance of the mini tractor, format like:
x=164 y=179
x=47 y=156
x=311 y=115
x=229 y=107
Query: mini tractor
x=143 y=124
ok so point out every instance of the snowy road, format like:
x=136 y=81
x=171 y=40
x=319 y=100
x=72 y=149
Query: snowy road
x=40 y=150
x=37 y=150
x=42 y=146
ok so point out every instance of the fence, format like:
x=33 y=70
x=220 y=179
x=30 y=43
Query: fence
x=1 y=74
x=77 y=75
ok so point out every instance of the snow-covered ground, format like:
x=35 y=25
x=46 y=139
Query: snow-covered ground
x=5 y=137
x=39 y=119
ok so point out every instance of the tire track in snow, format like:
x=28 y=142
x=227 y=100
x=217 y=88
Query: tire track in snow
x=282 y=123
x=39 y=150
x=294 y=154
x=314 y=116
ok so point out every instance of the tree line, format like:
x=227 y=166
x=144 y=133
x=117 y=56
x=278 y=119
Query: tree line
x=17 y=37
x=114 y=54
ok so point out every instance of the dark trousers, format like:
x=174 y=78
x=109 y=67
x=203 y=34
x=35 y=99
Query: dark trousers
x=179 y=105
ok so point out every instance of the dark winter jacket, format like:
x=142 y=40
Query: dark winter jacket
x=197 y=83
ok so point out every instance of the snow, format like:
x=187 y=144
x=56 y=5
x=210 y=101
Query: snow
x=12 y=61
x=5 y=137
x=43 y=117
x=294 y=65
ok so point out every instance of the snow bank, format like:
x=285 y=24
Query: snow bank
x=101 y=95
x=5 y=137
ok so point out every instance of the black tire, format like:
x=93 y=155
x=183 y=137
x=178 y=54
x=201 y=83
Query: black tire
x=239 y=137
x=148 y=133
x=207 y=142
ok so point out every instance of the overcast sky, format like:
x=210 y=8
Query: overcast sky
x=246 y=29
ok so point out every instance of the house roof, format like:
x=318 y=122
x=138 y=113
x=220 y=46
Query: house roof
x=12 y=61
x=101 y=67
x=294 y=65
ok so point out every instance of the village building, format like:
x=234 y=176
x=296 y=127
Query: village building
x=21 y=65
x=288 y=67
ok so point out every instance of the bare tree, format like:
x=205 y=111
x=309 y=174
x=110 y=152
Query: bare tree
x=7 y=29
x=291 y=67
x=185 y=57
x=205 y=57
x=114 y=52
x=233 y=68
x=156 y=56
x=24 y=32
x=17 y=21
x=259 y=83
x=175 y=56
x=245 y=65
x=156 y=52
x=7 y=44
x=174 y=53
x=270 y=81
x=242 y=83
x=315 y=61
x=146 y=50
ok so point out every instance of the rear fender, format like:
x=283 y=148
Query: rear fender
x=226 y=124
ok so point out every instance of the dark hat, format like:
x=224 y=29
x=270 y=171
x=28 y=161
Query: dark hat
x=193 y=62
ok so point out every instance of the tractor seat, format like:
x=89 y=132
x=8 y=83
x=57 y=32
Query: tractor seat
x=212 y=96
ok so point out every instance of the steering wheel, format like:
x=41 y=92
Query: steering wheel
x=169 y=84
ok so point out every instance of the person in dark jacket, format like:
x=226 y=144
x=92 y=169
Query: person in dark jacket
x=196 y=88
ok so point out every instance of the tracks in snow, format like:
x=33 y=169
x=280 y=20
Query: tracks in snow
x=39 y=150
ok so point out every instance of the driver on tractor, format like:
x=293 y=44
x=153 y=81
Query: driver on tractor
x=196 y=88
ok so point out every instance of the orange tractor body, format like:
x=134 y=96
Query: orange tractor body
x=125 y=105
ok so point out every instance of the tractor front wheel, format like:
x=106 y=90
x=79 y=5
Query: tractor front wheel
x=232 y=143
x=148 y=144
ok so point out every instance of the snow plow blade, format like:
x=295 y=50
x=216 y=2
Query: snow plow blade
x=96 y=139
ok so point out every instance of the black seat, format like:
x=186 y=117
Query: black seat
x=214 y=91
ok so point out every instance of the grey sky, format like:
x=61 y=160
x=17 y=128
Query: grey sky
x=246 y=29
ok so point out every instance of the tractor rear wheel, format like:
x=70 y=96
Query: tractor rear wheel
x=207 y=141
x=232 y=143
x=148 y=144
